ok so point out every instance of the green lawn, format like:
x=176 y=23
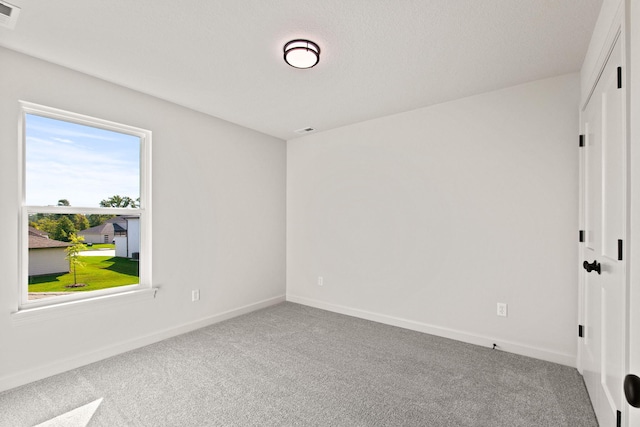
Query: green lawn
x=99 y=272
x=100 y=246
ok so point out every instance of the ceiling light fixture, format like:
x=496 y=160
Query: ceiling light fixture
x=301 y=53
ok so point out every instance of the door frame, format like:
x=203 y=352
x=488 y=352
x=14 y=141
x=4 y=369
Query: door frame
x=632 y=356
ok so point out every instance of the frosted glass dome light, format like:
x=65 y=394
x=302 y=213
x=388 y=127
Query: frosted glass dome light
x=301 y=53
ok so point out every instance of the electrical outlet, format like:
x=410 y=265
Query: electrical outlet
x=195 y=295
x=320 y=281
x=502 y=309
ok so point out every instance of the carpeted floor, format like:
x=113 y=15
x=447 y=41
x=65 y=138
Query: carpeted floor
x=291 y=365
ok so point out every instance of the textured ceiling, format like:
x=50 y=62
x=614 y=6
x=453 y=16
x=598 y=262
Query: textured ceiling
x=379 y=57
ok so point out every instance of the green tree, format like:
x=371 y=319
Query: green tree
x=95 y=219
x=64 y=229
x=46 y=224
x=120 y=202
x=73 y=254
x=80 y=222
x=38 y=216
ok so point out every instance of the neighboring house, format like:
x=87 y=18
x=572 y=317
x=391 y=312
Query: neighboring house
x=104 y=233
x=35 y=232
x=124 y=231
x=46 y=256
x=127 y=237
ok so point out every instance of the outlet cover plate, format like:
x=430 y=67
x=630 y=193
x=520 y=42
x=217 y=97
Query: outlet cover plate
x=502 y=309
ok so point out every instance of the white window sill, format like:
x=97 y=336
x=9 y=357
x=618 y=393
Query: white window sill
x=53 y=311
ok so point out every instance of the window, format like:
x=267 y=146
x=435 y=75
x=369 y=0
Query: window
x=86 y=217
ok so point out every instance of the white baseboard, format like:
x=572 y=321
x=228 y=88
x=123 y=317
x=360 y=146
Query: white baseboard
x=37 y=373
x=482 y=340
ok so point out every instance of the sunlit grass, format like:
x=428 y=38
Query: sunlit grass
x=98 y=272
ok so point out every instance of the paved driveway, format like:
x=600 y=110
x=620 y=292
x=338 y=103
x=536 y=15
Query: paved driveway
x=106 y=252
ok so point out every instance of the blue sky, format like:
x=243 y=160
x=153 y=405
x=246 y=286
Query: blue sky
x=79 y=163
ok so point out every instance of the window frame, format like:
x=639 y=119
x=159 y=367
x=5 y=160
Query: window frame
x=143 y=210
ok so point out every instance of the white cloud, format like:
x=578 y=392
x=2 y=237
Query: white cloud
x=70 y=132
x=67 y=141
x=61 y=171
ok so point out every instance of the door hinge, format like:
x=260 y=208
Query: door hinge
x=620 y=250
x=581 y=236
x=580 y=331
x=581 y=141
x=619 y=77
x=618 y=419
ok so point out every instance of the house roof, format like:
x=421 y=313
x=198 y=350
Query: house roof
x=120 y=219
x=39 y=242
x=117 y=228
x=35 y=232
x=112 y=225
x=106 y=228
x=225 y=57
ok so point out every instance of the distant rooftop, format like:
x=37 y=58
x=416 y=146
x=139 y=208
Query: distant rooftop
x=35 y=232
x=39 y=242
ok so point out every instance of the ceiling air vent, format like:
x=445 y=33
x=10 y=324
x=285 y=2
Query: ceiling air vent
x=8 y=14
x=304 y=130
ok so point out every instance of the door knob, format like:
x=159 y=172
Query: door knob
x=632 y=390
x=594 y=266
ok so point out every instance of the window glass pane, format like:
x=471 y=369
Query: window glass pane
x=108 y=258
x=77 y=165
x=77 y=251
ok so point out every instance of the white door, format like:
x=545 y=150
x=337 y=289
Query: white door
x=603 y=304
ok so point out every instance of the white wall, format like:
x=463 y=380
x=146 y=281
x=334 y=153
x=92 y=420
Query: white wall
x=94 y=238
x=211 y=178
x=427 y=219
x=121 y=246
x=127 y=245
x=47 y=261
x=133 y=236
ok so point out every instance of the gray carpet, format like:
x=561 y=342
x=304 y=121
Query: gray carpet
x=291 y=365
